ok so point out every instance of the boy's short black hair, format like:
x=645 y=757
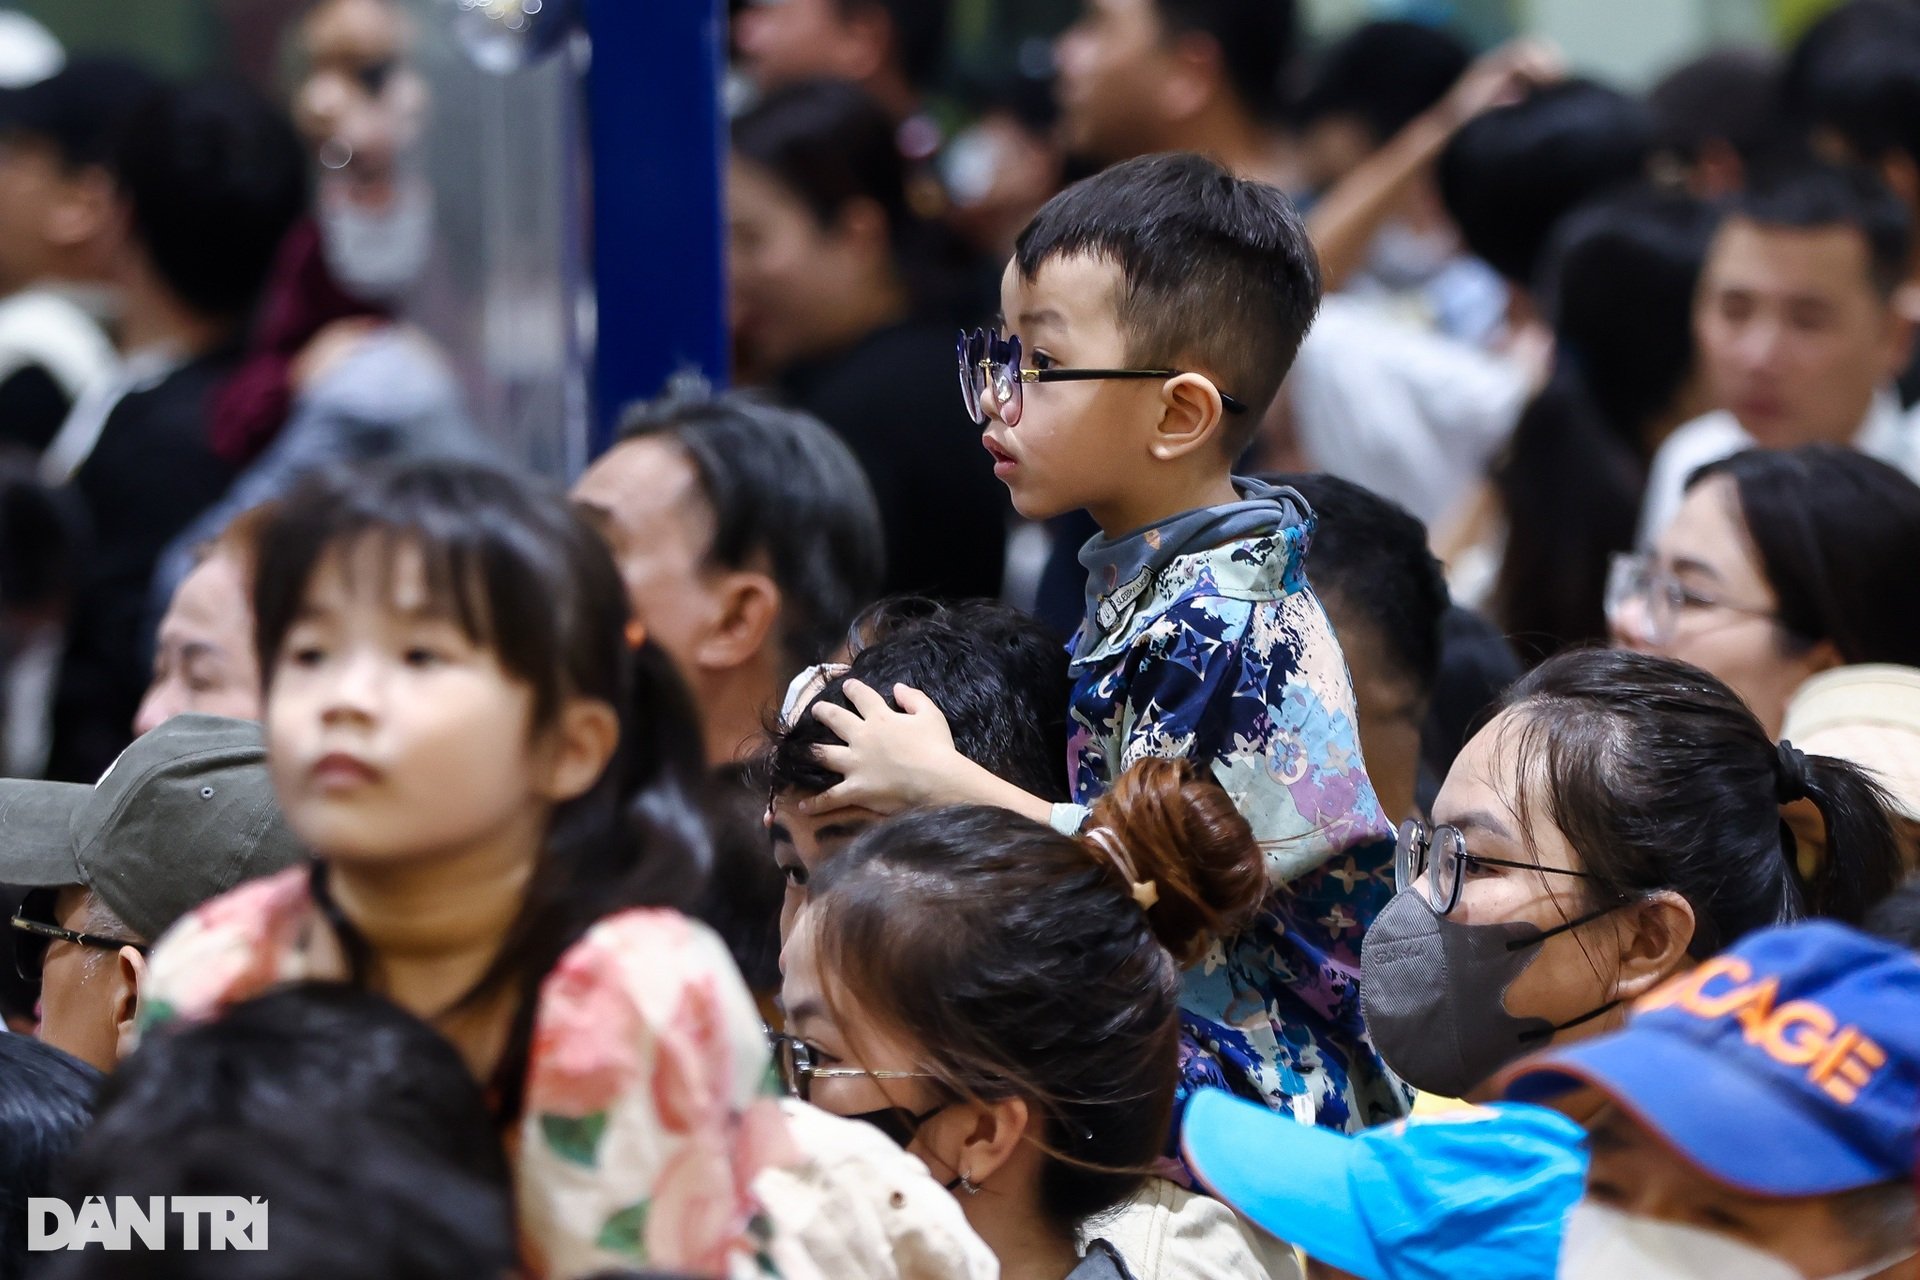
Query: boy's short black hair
x=1373 y=553
x=215 y=177
x=998 y=675
x=1812 y=196
x=1510 y=175
x=1726 y=95
x=1218 y=271
x=1383 y=74
x=1256 y=40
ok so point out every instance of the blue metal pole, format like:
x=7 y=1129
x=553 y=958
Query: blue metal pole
x=658 y=135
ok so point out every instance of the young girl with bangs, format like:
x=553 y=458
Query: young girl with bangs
x=485 y=761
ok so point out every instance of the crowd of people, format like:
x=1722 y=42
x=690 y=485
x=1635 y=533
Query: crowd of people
x=1293 y=661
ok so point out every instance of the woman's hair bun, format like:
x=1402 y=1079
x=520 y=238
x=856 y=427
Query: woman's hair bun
x=1167 y=824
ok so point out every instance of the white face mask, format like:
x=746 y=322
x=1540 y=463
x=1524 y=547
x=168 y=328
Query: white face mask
x=1605 y=1244
x=377 y=254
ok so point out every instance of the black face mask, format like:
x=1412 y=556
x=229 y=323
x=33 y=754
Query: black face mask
x=898 y=1123
x=1433 y=992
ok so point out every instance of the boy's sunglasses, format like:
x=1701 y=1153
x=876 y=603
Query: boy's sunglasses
x=991 y=363
x=33 y=935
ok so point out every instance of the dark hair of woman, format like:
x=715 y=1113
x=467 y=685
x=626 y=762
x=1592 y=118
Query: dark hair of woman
x=1619 y=297
x=521 y=573
x=1662 y=780
x=1046 y=967
x=830 y=144
x=1838 y=536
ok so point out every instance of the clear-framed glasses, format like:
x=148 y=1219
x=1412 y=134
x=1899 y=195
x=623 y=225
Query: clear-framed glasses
x=798 y=1064
x=990 y=364
x=35 y=936
x=1440 y=853
x=1638 y=583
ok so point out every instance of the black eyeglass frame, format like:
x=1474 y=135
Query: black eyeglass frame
x=30 y=959
x=991 y=362
x=1411 y=849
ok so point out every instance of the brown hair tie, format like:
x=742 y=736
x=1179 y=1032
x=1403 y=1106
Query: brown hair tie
x=1107 y=843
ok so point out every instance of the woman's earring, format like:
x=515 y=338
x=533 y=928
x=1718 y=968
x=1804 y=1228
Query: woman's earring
x=967 y=1185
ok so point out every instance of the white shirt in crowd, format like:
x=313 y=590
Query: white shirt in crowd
x=1887 y=433
x=1410 y=414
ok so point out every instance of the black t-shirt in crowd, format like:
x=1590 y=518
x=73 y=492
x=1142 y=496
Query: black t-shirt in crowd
x=151 y=472
x=895 y=399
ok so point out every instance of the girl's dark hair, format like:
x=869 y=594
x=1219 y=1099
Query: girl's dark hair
x=1618 y=292
x=1023 y=964
x=519 y=571
x=1662 y=779
x=1838 y=534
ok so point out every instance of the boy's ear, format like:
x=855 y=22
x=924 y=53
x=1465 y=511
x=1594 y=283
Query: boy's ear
x=1192 y=419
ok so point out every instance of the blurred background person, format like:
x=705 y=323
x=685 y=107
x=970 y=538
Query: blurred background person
x=1779 y=565
x=1799 y=329
x=209 y=178
x=1564 y=495
x=843 y=302
x=1140 y=76
x=60 y=237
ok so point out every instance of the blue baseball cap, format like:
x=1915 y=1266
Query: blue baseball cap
x=1788 y=1066
x=1482 y=1192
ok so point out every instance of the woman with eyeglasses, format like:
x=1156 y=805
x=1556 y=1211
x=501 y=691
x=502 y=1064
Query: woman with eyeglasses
x=1003 y=1000
x=1618 y=819
x=1777 y=566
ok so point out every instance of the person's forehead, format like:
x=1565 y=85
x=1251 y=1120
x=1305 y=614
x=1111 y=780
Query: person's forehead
x=646 y=475
x=1709 y=531
x=209 y=601
x=1818 y=261
x=1070 y=294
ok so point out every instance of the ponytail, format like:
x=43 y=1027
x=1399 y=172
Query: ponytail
x=1862 y=862
x=1181 y=851
x=1025 y=963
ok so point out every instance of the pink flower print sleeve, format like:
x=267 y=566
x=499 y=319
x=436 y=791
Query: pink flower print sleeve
x=230 y=949
x=649 y=1106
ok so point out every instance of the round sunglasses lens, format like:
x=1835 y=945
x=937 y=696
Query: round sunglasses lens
x=970 y=388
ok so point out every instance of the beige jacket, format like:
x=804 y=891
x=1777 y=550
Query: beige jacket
x=1169 y=1233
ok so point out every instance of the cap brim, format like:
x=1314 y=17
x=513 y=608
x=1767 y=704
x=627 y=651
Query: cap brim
x=36 y=832
x=1731 y=1124
x=1292 y=1180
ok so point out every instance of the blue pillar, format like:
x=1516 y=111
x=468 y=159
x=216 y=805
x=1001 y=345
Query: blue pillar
x=658 y=135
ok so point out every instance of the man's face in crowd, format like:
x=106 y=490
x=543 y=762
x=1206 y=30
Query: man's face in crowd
x=782 y=41
x=1794 y=336
x=47 y=208
x=646 y=497
x=1634 y=1172
x=802 y=842
x=204 y=659
x=1112 y=63
x=88 y=995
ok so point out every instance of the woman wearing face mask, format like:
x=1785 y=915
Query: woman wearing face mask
x=1617 y=820
x=1004 y=1001
x=1779 y=565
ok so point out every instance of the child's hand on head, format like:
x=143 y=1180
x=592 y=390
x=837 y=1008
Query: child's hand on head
x=892 y=760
